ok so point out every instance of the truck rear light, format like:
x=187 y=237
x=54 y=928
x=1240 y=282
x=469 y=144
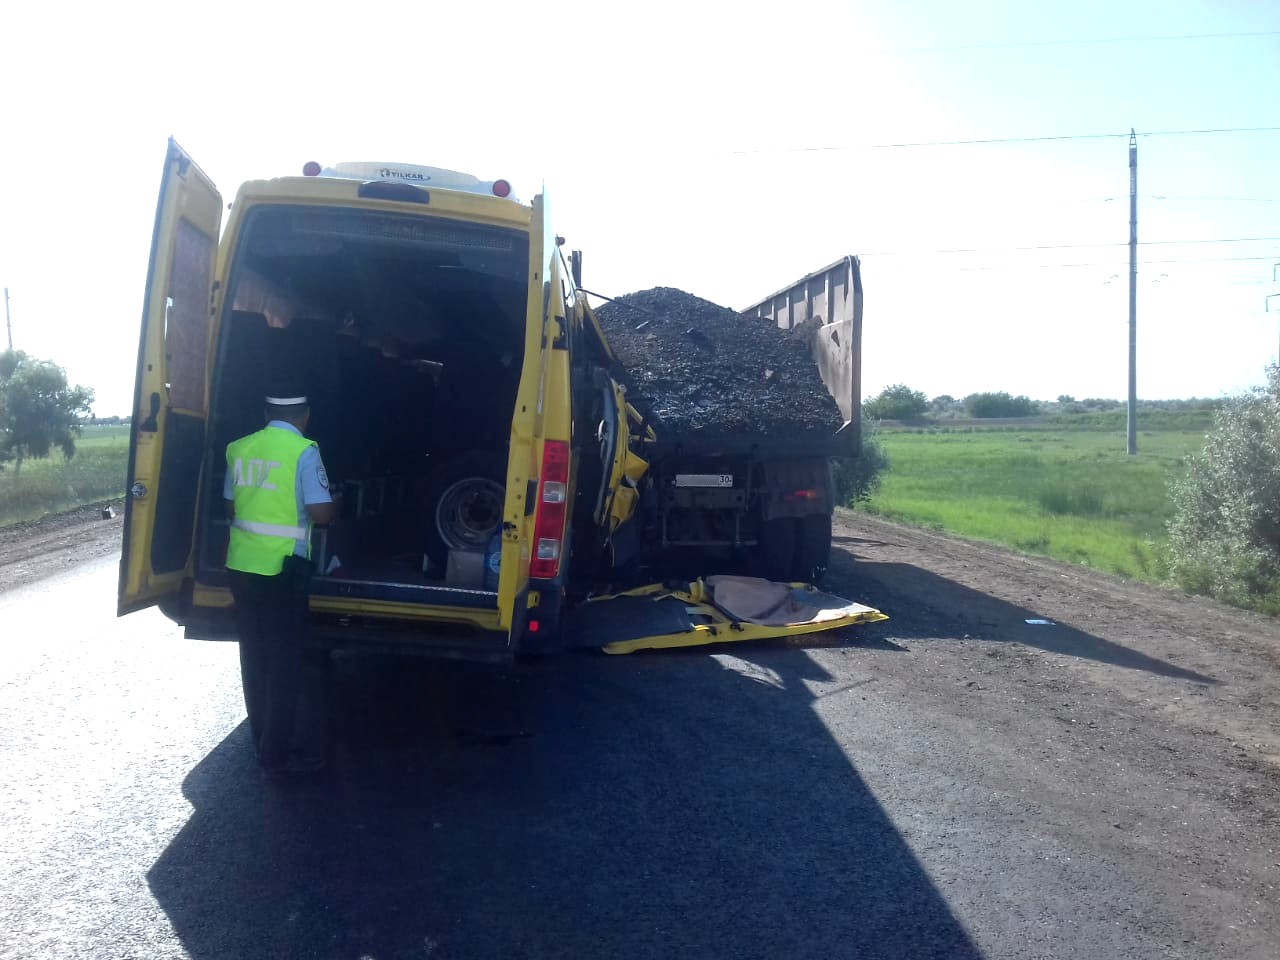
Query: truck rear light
x=501 y=188
x=311 y=169
x=803 y=495
x=548 y=526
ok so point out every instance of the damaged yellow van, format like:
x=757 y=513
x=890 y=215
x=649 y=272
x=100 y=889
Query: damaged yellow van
x=462 y=396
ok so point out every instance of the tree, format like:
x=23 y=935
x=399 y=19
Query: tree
x=944 y=405
x=1225 y=532
x=1068 y=404
x=898 y=402
x=38 y=410
x=1100 y=403
x=983 y=405
x=858 y=478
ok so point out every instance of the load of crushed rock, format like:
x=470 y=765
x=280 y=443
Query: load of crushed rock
x=700 y=369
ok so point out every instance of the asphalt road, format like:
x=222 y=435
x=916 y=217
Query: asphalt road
x=760 y=801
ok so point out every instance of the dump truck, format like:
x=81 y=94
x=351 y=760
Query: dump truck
x=495 y=474
x=750 y=408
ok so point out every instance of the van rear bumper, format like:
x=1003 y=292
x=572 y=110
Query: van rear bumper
x=351 y=635
x=352 y=625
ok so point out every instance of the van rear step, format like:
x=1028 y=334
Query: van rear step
x=714 y=610
x=435 y=595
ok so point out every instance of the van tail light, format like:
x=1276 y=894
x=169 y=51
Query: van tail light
x=548 y=526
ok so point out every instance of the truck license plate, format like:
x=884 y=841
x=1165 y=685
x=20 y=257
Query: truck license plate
x=704 y=479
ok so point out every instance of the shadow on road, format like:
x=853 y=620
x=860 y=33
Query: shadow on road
x=923 y=606
x=586 y=806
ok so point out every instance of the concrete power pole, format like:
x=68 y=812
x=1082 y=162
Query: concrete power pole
x=1274 y=268
x=1133 y=293
x=8 y=325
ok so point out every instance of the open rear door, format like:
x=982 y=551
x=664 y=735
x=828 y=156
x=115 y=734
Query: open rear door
x=167 y=440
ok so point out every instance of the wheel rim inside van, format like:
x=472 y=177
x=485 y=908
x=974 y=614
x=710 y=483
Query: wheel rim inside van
x=468 y=513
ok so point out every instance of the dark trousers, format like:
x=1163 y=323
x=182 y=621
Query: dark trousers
x=286 y=686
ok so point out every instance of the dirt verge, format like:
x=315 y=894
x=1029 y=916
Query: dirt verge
x=35 y=549
x=1208 y=676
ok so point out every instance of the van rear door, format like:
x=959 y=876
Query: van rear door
x=170 y=406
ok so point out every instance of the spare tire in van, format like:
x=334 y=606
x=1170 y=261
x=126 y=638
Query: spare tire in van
x=462 y=504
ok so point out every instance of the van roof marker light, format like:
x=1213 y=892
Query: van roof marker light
x=311 y=169
x=501 y=188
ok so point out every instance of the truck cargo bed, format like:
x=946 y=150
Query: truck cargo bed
x=759 y=446
x=780 y=378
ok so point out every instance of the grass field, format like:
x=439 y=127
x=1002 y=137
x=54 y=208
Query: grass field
x=96 y=472
x=1068 y=492
x=1071 y=493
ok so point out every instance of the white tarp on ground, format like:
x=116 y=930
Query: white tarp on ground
x=765 y=602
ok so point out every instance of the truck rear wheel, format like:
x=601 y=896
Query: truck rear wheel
x=795 y=548
x=813 y=547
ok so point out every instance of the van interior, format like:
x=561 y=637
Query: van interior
x=407 y=334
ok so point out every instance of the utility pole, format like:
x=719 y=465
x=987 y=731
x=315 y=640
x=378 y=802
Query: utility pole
x=1274 y=268
x=7 y=323
x=1133 y=292
x=1267 y=300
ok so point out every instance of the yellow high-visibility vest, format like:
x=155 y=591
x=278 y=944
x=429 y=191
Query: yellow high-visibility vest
x=264 y=469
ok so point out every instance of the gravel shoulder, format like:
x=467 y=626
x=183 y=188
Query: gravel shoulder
x=1139 y=728
x=36 y=549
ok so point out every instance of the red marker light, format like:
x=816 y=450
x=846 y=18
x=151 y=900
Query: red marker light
x=534 y=626
x=501 y=188
x=311 y=169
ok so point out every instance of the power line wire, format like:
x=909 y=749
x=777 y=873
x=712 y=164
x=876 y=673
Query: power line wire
x=1066 y=43
x=1164 y=196
x=1234 y=199
x=990 y=140
x=1115 y=264
x=1066 y=246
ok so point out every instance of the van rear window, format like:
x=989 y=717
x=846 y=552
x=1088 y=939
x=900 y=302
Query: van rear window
x=286 y=233
x=433 y=232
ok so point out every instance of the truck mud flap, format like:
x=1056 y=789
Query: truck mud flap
x=714 y=610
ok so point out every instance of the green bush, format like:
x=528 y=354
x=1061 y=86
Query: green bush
x=858 y=478
x=983 y=405
x=1225 y=533
x=898 y=402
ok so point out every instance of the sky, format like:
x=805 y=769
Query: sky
x=723 y=148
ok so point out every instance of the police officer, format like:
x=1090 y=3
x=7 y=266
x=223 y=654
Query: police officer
x=275 y=490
